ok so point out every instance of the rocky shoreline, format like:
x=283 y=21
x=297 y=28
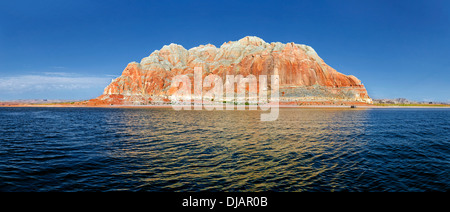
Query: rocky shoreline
x=350 y=106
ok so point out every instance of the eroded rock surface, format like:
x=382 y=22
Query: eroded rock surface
x=304 y=76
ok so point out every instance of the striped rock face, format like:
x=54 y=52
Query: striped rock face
x=303 y=75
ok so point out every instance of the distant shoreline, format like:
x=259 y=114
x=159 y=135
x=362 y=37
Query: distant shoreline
x=170 y=106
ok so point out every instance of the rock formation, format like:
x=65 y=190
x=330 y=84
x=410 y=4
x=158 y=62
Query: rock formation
x=304 y=76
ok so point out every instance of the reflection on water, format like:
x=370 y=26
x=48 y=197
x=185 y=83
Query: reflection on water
x=81 y=149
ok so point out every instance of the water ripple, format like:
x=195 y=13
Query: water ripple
x=95 y=149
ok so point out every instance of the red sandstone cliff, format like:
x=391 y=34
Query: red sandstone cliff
x=304 y=76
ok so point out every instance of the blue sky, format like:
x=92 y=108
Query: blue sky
x=72 y=49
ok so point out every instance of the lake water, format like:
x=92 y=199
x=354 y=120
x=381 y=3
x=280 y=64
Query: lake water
x=142 y=149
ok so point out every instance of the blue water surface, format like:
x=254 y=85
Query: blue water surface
x=157 y=149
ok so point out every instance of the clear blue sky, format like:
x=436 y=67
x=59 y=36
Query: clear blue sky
x=72 y=49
